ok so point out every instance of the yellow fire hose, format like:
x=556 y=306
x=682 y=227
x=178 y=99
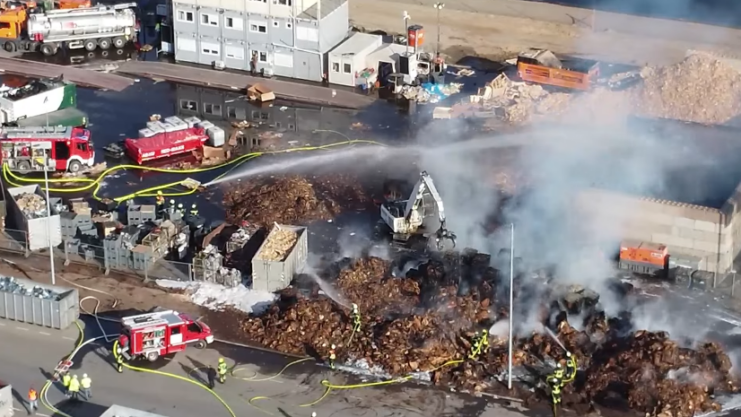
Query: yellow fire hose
x=95 y=184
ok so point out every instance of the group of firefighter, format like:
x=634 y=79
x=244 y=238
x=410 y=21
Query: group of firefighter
x=172 y=207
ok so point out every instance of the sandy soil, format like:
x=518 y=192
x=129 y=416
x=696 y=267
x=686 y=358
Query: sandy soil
x=476 y=33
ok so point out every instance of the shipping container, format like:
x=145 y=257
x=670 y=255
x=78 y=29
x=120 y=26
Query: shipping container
x=543 y=67
x=643 y=257
x=36 y=229
x=276 y=275
x=55 y=314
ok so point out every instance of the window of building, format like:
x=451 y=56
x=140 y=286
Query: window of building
x=277 y=125
x=210 y=108
x=283 y=2
x=255 y=115
x=210 y=48
x=233 y=23
x=347 y=68
x=336 y=67
x=289 y=25
x=258 y=28
x=210 y=20
x=234 y=52
x=291 y=126
x=256 y=141
x=263 y=57
x=276 y=24
x=264 y=116
x=189 y=105
x=186 y=45
x=231 y=112
x=184 y=16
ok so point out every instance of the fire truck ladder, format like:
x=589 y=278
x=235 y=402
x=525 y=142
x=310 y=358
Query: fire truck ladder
x=51 y=132
x=87 y=11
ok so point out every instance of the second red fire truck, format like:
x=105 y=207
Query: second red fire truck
x=53 y=148
x=161 y=333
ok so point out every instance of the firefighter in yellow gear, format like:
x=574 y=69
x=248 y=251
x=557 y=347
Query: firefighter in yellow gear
x=355 y=318
x=160 y=201
x=556 y=384
x=557 y=373
x=221 y=369
x=86 y=385
x=480 y=342
x=332 y=356
x=180 y=209
x=570 y=368
x=74 y=388
x=193 y=210
x=66 y=378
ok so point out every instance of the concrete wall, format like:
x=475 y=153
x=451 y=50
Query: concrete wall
x=686 y=229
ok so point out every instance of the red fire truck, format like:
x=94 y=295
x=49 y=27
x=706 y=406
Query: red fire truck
x=53 y=148
x=161 y=333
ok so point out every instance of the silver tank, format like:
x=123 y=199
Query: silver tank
x=78 y=22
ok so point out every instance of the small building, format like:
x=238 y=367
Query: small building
x=386 y=60
x=348 y=60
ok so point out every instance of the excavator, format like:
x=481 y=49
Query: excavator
x=414 y=218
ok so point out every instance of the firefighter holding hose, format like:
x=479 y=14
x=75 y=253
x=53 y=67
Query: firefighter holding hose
x=556 y=384
x=480 y=341
x=355 y=315
x=332 y=356
x=570 y=368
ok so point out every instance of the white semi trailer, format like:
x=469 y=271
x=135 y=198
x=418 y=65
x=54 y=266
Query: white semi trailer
x=89 y=28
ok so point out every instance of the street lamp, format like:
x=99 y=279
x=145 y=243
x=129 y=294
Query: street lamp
x=439 y=7
x=48 y=212
x=511 y=300
x=406 y=18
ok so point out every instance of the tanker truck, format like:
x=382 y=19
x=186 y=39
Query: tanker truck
x=89 y=28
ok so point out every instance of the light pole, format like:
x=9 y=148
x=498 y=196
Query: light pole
x=406 y=18
x=48 y=212
x=511 y=300
x=439 y=7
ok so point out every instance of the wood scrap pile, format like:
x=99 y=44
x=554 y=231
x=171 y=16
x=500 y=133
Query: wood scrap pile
x=278 y=244
x=292 y=199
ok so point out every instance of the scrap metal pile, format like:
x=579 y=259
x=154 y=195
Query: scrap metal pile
x=420 y=320
x=292 y=199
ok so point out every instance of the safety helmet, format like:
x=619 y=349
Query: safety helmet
x=568 y=354
x=84 y=375
x=221 y=360
x=159 y=192
x=193 y=206
x=484 y=332
x=74 y=376
x=180 y=205
x=333 y=346
x=558 y=365
x=313 y=414
x=354 y=306
x=172 y=202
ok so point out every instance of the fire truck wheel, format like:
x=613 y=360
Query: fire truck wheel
x=9 y=46
x=119 y=42
x=104 y=43
x=74 y=166
x=24 y=167
x=48 y=49
x=90 y=45
x=201 y=344
x=152 y=356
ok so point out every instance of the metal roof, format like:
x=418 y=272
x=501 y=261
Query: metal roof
x=358 y=44
x=120 y=411
x=167 y=317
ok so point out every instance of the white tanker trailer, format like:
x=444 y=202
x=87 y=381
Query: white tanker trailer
x=89 y=28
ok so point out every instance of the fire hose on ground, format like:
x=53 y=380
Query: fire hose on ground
x=96 y=184
x=328 y=386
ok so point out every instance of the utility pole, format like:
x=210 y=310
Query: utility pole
x=439 y=6
x=48 y=212
x=406 y=18
x=511 y=301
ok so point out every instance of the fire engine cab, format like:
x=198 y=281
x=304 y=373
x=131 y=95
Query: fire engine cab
x=161 y=333
x=53 y=148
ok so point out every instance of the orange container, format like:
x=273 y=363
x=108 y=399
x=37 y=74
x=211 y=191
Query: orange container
x=644 y=252
x=416 y=36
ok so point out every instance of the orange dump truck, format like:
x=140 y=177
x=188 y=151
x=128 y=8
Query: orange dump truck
x=643 y=257
x=541 y=66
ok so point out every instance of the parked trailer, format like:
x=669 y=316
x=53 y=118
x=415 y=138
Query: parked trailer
x=269 y=275
x=57 y=313
x=36 y=229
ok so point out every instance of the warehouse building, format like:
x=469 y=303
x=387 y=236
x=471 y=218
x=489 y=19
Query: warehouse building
x=287 y=38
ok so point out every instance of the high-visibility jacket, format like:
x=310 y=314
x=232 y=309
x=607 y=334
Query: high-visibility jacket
x=558 y=373
x=74 y=385
x=160 y=200
x=222 y=368
x=86 y=382
x=571 y=368
x=32 y=396
x=65 y=380
x=332 y=356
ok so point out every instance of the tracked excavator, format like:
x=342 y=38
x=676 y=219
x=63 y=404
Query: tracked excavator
x=419 y=219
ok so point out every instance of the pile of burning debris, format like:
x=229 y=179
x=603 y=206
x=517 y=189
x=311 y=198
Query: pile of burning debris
x=292 y=199
x=418 y=316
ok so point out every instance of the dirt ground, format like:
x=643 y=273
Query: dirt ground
x=468 y=33
x=129 y=293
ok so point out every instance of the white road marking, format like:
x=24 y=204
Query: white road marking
x=2 y=324
x=69 y=338
x=22 y=328
x=45 y=333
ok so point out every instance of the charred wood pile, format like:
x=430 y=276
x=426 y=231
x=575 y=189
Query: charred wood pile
x=421 y=320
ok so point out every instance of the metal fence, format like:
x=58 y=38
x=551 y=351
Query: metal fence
x=94 y=256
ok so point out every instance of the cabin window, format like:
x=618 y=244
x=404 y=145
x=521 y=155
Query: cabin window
x=231 y=112
x=184 y=16
x=209 y=20
x=347 y=68
x=214 y=109
x=175 y=330
x=190 y=105
x=335 y=67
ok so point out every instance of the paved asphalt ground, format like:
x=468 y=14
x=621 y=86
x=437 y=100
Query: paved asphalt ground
x=29 y=354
